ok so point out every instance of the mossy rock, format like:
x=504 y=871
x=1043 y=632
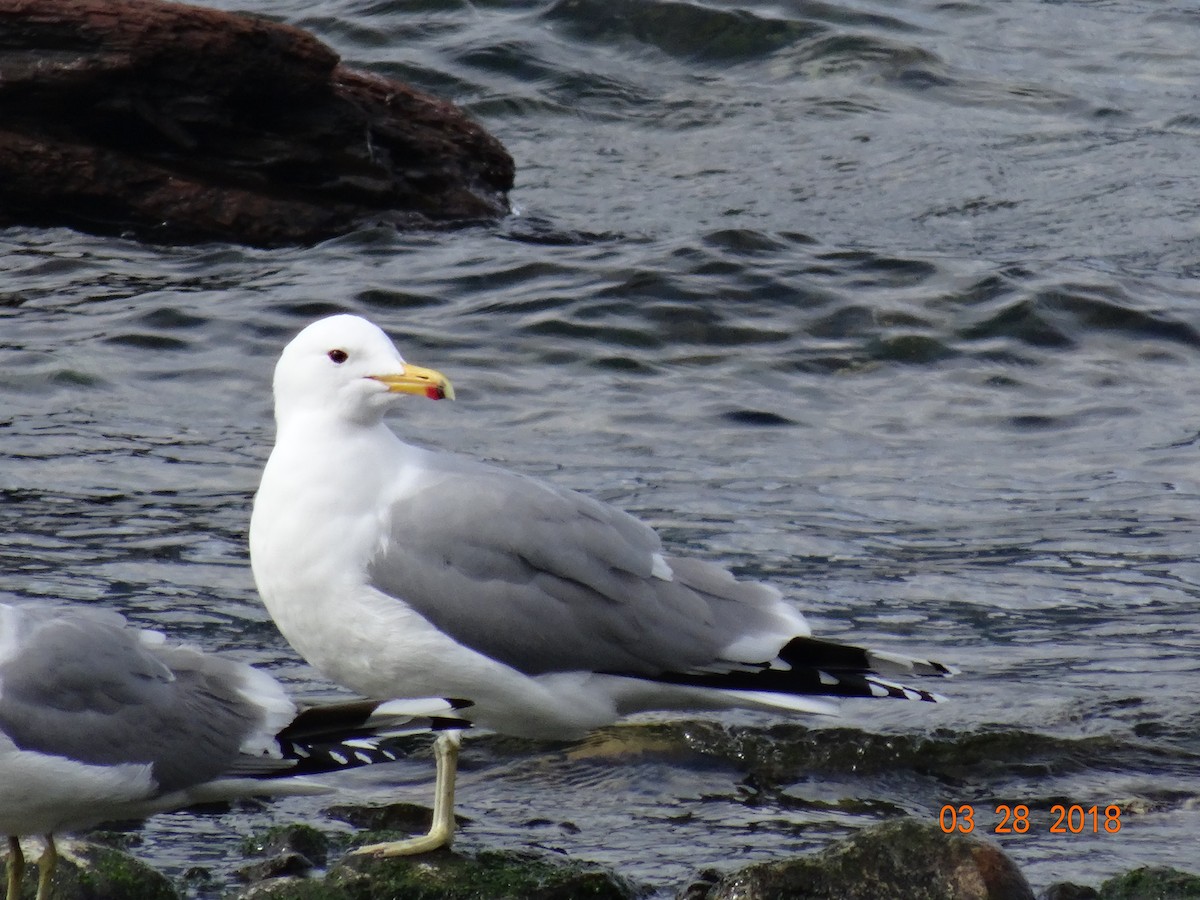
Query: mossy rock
x=88 y=871
x=283 y=850
x=446 y=875
x=291 y=838
x=901 y=860
x=1152 y=883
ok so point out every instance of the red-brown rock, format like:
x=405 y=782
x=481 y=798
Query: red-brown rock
x=178 y=123
x=904 y=859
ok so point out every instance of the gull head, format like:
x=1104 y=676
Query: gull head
x=347 y=367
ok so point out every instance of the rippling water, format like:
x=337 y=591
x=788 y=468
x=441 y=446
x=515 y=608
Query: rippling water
x=893 y=304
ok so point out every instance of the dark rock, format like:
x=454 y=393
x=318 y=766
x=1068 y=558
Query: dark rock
x=901 y=860
x=704 y=882
x=1064 y=890
x=281 y=865
x=1152 y=883
x=288 y=839
x=179 y=123
x=290 y=850
x=400 y=818
x=445 y=875
x=198 y=881
x=88 y=871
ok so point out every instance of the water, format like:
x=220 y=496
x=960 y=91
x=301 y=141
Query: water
x=892 y=304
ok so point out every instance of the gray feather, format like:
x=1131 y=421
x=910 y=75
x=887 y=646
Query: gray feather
x=548 y=580
x=82 y=686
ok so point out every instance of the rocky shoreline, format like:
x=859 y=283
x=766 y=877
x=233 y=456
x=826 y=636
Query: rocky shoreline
x=897 y=852
x=901 y=859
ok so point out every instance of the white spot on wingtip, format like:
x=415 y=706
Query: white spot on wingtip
x=661 y=569
x=828 y=679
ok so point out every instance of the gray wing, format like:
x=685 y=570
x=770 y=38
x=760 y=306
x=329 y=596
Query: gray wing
x=86 y=687
x=548 y=580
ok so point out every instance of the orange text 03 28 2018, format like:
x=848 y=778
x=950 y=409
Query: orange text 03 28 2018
x=1016 y=818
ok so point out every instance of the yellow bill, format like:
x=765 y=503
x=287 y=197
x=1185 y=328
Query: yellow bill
x=417 y=380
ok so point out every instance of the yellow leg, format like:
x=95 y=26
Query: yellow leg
x=46 y=866
x=16 y=868
x=441 y=832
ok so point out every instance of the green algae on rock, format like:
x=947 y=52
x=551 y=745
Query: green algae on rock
x=1152 y=883
x=447 y=875
x=88 y=871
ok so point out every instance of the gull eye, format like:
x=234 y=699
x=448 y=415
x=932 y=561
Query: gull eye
x=338 y=356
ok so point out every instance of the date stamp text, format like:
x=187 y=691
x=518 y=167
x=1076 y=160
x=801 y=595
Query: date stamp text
x=1017 y=819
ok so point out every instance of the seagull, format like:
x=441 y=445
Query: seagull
x=101 y=720
x=403 y=571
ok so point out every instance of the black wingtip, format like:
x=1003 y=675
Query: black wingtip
x=810 y=667
x=334 y=756
x=834 y=657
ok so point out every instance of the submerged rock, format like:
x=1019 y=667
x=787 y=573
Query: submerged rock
x=447 y=875
x=178 y=123
x=901 y=860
